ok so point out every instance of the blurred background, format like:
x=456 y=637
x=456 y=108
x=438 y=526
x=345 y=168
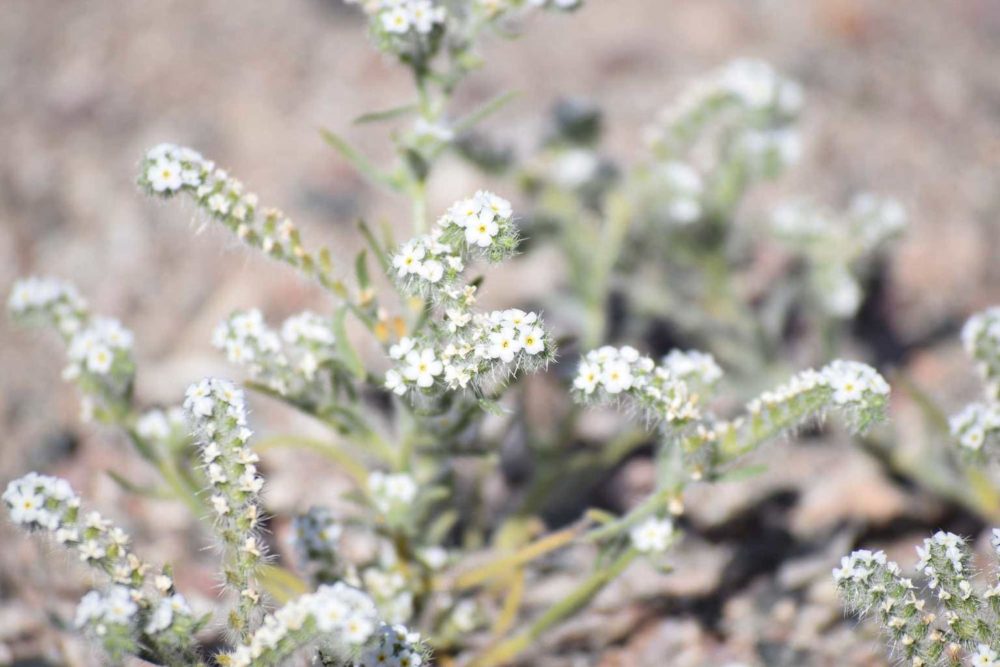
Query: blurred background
x=900 y=99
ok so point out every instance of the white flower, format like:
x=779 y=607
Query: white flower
x=402 y=348
x=25 y=505
x=432 y=271
x=423 y=15
x=422 y=367
x=652 y=535
x=165 y=176
x=587 y=377
x=533 y=340
x=396 y=20
x=504 y=344
x=482 y=229
x=985 y=657
x=499 y=206
x=408 y=261
x=616 y=376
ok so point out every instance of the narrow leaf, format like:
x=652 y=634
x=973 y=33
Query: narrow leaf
x=385 y=114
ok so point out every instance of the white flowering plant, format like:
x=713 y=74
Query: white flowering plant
x=676 y=222
x=422 y=427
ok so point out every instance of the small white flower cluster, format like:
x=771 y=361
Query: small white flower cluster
x=341 y=620
x=977 y=427
x=117 y=606
x=981 y=338
x=838 y=246
x=609 y=373
x=945 y=561
x=167 y=612
x=848 y=385
x=757 y=101
x=290 y=363
x=168 y=170
x=870 y=584
x=695 y=367
x=477 y=348
x=681 y=188
x=978 y=424
x=480 y=225
x=877 y=219
x=653 y=535
x=315 y=537
x=50 y=300
x=99 y=348
x=400 y=17
x=216 y=410
x=43 y=502
x=393 y=491
x=851 y=388
x=393 y=646
x=118 y=615
x=390 y=589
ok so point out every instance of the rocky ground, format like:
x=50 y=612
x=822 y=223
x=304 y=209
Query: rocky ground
x=900 y=100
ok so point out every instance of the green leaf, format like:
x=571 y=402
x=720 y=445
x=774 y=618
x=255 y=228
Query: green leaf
x=361 y=270
x=469 y=121
x=346 y=351
x=373 y=243
x=386 y=114
x=358 y=161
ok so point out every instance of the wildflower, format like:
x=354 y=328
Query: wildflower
x=422 y=367
x=652 y=535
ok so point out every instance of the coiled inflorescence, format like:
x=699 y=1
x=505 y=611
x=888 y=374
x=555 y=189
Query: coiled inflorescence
x=168 y=170
x=341 y=622
x=99 y=348
x=962 y=632
x=129 y=616
x=216 y=410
